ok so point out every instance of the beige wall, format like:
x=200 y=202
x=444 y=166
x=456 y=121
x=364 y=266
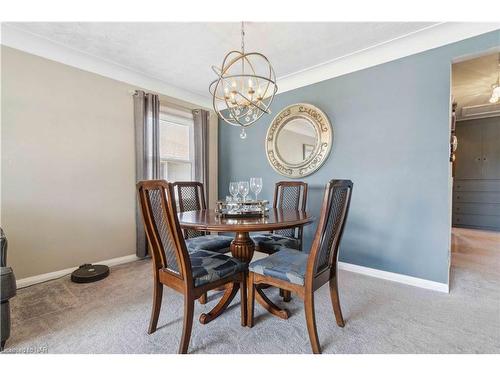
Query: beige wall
x=68 y=169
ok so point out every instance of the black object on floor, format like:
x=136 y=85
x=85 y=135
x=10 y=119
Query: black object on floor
x=88 y=273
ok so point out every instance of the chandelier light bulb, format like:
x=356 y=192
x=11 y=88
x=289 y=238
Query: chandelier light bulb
x=493 y=99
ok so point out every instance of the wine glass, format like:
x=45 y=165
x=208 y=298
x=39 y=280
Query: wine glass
x=233 y=190
x=243 y=189
x=256 y=185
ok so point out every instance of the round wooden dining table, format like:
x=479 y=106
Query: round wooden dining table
x=242 y=246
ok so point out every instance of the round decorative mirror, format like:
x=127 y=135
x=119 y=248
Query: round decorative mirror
x=298 y=140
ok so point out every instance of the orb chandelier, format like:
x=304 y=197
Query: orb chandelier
x=245 y=87
x=495 y=88
x=495 y=94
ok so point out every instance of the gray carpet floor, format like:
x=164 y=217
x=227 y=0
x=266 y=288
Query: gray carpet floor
x=111 y=316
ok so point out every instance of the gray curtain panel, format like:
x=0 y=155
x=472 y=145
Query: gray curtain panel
x=147 y=152
x=200 y=119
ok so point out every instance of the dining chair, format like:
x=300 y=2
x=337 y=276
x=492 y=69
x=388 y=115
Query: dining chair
x=287 y=195
x=303 y=273
x=190 y=196
x=189 y=273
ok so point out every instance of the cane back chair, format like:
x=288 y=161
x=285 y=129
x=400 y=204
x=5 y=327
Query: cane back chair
x=287 y=195
x=189 y=273
x=302 y=273
x=191 y=197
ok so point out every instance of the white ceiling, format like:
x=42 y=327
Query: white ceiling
x=472 y=80
x=181 y=54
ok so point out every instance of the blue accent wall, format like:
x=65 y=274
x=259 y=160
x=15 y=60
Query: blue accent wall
x=391 y=138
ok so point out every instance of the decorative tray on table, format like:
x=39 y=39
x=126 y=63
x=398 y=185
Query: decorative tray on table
x=240 y=209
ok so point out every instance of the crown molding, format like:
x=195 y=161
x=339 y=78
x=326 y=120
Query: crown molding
x=422 y=40
x=419 y=41
x=39 y=46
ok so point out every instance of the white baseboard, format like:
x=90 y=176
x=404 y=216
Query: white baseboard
x=22 y=283
x=397 y=277
x=391 y=276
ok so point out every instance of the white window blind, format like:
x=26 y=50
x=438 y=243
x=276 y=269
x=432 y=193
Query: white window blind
x=176 y=144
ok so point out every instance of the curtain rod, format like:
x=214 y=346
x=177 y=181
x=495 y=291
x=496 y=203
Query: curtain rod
x=175 y=105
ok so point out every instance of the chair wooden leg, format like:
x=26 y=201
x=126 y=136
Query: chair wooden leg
x=221 y=306
x=311 y=322
x=269 y=305
x=251 y=300
x=155 y=311
x=203 y=299
x=243 y=294
x=287 y=296
x=334 y=294
x=187 y=325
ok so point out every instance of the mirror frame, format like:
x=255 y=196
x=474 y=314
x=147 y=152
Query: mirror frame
x=318 y=156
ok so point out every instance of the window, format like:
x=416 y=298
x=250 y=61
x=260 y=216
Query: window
x=176 y=144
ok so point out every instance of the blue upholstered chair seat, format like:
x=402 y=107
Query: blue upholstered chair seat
x=211 y=242
x=286 y=264
x=208 y=266
x=272 y=242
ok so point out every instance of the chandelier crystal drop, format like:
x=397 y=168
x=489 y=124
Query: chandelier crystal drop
x=245 y=87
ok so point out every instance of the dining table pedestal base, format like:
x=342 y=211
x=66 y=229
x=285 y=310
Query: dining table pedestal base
x=243 y=249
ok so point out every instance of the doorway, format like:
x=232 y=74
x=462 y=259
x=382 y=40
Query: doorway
x=475 y=158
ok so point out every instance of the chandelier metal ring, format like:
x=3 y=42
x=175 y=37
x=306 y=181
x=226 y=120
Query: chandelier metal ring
x=235 y=118
x=244 y=89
